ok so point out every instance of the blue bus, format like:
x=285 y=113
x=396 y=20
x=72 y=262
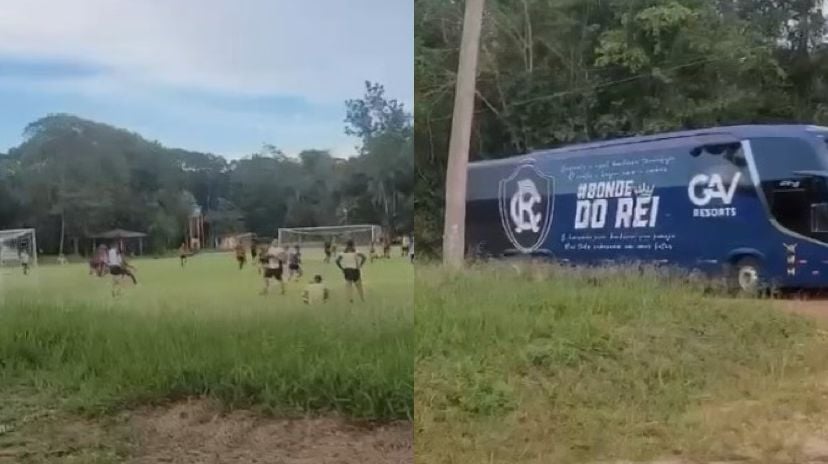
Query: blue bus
x=749 y=202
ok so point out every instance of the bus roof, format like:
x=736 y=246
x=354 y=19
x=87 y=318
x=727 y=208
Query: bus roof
x=669 y=138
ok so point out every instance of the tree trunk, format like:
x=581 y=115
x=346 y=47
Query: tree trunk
x=62 y=232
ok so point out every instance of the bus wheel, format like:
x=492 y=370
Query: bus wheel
x=746 y=277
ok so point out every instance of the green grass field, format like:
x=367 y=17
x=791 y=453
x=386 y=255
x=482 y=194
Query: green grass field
x=548 y=365
x=204 y=330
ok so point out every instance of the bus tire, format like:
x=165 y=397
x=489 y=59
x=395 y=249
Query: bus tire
x=746 y=276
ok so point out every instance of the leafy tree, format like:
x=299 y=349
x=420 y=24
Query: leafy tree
x=387 y=154
x=555 y=72
x=72 y=177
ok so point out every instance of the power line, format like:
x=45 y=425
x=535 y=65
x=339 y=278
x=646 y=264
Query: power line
x=604 y=85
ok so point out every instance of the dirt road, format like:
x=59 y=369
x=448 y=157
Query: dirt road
x=816 y=308
x=197 y=432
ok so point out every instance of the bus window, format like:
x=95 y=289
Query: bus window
x=819 y=218
x=795 y=200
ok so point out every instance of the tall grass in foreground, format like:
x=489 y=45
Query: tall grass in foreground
x=540 y=364
x=159 y=342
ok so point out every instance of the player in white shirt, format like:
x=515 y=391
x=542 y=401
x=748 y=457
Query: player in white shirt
x=350 y=262
x=405 y=245
x=118 y=267
x=24 y=261
x=274 y=268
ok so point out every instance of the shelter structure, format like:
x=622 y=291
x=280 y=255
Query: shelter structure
x=123 y=237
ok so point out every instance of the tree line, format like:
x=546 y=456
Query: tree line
x=71 y=177
x=554 y=72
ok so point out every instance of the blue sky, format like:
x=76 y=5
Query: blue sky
x=212 y=75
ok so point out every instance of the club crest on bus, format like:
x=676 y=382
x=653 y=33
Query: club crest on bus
x=526 y=203
x=522 y=207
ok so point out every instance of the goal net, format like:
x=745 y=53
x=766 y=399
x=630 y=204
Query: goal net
x=16 y=245
x=314 y=238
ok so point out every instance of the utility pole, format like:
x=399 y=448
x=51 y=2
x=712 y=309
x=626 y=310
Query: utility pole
x=461 y=123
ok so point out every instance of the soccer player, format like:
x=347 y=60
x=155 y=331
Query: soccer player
x=327 y=245
x=241 y=255
x=350 y=262
x=118 y=267
x=295 y=263
x=315 y=292
x=262 y=258
x=405 y=245
x=411 y=251
x=24 y=260
x=274 y=267
x=372 y=252
x=183 y=252
x=386 y=247
x=97 y=262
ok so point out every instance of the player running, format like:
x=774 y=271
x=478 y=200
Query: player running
x=183 y=252
x=97 y=262
x=411 y=251
x=315 y=292
x=372 y=252
x=351 y=262
x=274 y=267
x=118 y=267
x=241 y=255
x=406 y=243
x=262 y=258
x=295 y=263
x=24 y=261
x=386 y=247
x=327 y=245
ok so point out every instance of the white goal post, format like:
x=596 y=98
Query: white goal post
x=362 y=235
x=14 y=242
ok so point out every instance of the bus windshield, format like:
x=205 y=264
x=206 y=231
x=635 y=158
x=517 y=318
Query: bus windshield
x=794 y=181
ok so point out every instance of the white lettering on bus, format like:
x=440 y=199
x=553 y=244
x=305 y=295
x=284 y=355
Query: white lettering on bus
x=636 y=207
x=608 y=189
x=703 y=189
x=623 y=216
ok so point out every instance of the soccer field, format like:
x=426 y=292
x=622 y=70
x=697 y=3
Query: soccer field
x=208 y=282
x=205 y=330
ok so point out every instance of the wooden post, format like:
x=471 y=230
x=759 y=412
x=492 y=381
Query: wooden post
x=456 y=175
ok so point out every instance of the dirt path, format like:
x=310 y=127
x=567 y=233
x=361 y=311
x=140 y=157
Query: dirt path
x=196 y=432
x=816 y=308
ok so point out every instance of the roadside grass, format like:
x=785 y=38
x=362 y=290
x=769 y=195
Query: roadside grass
x=543 y=364
x=205 y=331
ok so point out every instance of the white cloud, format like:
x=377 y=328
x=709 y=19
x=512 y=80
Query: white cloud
x=320 y=49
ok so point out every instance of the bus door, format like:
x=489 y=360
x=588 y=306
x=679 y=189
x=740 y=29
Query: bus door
x=801 y=205
x=793 y=173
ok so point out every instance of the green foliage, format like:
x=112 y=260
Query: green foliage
x=387 y=154
x=172 y=337
x=546 y=364
x=553 y=72
x=72 y=177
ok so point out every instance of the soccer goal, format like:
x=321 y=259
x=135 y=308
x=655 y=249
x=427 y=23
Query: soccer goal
x=315 y=237
x=13 y=244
